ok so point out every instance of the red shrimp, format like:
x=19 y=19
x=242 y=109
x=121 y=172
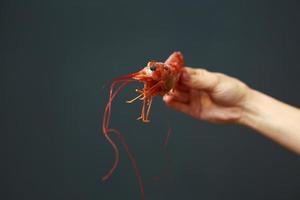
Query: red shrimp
x=159 y=78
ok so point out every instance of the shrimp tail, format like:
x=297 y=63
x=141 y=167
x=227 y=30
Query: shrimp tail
x=176 y=59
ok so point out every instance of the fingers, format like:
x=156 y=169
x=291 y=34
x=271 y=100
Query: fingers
x=181 y=87
x=175 y=104
x=200 y=79
x=181 y=96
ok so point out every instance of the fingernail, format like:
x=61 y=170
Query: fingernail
x=185 y=77
x=166 y=98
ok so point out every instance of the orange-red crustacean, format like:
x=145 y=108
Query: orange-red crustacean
x=159 y=78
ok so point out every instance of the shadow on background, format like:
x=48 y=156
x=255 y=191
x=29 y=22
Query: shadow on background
x=57 y=58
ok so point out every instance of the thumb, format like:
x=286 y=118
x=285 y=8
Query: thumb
x=199 y=78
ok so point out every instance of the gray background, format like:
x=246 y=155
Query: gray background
x=57 y=58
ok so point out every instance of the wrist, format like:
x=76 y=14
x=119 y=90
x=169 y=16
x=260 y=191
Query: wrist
x=250 y=108
x=272 y=118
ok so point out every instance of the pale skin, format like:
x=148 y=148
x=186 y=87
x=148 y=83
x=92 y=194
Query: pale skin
x=219 y=98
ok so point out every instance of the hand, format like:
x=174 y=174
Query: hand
x=209 y=96
x=219 y=98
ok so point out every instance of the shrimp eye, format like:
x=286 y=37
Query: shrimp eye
x=152 y=68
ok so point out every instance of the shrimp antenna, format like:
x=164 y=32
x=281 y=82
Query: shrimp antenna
x=106 y=119
x=106 y=130
x=168 y=160
x=124 y=80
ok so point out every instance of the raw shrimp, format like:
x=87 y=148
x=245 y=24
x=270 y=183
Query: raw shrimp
x=159 y=78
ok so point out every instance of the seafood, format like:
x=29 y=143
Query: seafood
x=159 y=78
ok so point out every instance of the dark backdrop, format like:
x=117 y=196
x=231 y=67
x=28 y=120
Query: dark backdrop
x=57 y=58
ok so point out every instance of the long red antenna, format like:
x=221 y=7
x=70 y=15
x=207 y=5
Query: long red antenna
x=124 y=80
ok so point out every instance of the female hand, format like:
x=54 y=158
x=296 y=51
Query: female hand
x=219 y=98
x=209 y=96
